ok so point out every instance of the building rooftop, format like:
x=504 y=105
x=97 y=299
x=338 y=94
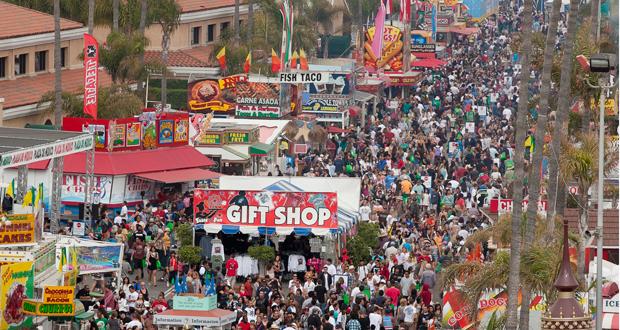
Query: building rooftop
x=17 y=21
x=188 y=6
x=28 y=90
x=197 y=57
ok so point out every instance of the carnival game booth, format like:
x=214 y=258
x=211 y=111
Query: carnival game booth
x=238 y=146
x=151 y=145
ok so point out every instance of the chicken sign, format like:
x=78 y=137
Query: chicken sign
x=266 y=208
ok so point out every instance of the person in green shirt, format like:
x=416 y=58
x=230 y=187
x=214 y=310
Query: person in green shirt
x=101 y=321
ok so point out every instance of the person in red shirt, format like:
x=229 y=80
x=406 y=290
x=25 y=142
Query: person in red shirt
x=231 y=270
x=393 y=292
x=243 y=323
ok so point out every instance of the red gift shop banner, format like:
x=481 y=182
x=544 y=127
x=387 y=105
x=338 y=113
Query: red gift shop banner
x=266 y=208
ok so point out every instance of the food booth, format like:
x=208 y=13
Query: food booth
x=237 y=146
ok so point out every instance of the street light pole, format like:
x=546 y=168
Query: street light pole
x=604 y=86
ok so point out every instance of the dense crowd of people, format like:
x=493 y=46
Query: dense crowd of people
x=427 y=163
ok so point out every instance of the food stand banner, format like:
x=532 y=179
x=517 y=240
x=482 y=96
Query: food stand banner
x=38 y=308
x=97 y=259
x=266 y=208
x=235 y=95
x=333 y=95
x=58 y=294
x=17 y=285
x=18 y=230
x=391 y=57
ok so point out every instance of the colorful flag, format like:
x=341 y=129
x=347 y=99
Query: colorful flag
x=388 y=7
x=221 y=57
x=294 y=60
x=377 y=39
x=10 y=190
x=28 y=197
x=39 y=196
x=275 y=61
x=91 y=75
x=303 y=60
x=248 y=63
x=405 y=10
x=286 y=10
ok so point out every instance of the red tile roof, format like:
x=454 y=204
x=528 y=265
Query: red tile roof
x=198 y=57
x=198 y=5
x=17 y=21
x=28 y=90
x=611 y=229
x=142 y=161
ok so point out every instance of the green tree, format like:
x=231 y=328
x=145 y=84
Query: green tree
x=517 y=188
x=535 y=181
x=557 y=187
x=579 y=162
x=117 y=101
x=121 y=57
x=167 y=14
x=188 y=253
x=361 y=246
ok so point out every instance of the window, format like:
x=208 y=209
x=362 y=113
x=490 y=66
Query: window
x=63 y=57
x=2 y=67
x=20 y=64
x=224 y=27
x=211 y=33
x=40 y=61
x=196 y=35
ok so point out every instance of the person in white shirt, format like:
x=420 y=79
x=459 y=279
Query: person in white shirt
x=375 y=318
x=132 y=297
x=124 y=211
x=135 y=322
x=331 y=269
x=118 y=220
x=309 y=285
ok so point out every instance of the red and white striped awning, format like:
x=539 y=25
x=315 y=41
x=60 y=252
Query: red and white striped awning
x=611 y=321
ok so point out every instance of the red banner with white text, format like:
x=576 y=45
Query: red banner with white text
x=266 y=208
x=91 y=75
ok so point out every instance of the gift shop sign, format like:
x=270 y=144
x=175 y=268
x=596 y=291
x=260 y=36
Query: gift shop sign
x=505 y=206
x=18 y=230
x=266 y=208
x=46 y=151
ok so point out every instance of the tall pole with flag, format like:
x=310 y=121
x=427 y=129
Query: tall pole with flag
x=405 y=17
x=377 y=39
x=286 y=10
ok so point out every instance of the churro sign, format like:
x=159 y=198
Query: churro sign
x=391 y=57
x=266 y=208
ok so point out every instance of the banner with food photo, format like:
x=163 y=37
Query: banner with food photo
x=331 y=96
x=207 y=96
x=17 y=285
x=391 y=57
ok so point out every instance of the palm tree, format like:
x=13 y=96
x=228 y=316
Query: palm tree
x=121 y=57
x=557 y=189
x=141 y=28
x=539 y=265
x=541 y=123
x=115 y=15
x=579 y=161
x=250 y=20
x=91 y=16
x=57 y=67
x=167 y=14
x=517 y=189
x=117 y=101
x=236 y=21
